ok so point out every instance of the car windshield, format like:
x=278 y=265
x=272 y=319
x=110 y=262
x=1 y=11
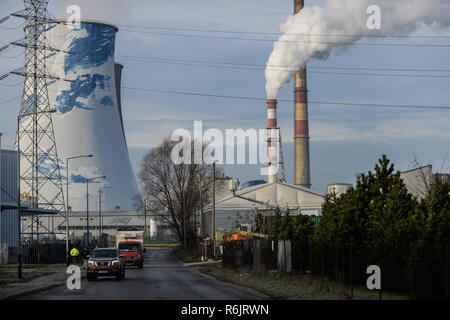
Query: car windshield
x=129 y=247
x=104 y=254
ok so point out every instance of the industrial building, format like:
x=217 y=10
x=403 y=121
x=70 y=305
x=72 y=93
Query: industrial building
x=338 y=188
x=9 y=220
x=418 y=181
x=106 y=223
x=243 y=206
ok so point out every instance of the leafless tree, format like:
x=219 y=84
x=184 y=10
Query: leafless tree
x=176 y=188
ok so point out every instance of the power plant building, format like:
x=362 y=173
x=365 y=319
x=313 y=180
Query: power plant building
x=243 y=206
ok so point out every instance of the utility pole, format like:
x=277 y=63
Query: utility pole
x=213 y=211
x=100 y=213
x=1 y=213
x=201 y=208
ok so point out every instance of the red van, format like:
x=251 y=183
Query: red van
x=132 y=253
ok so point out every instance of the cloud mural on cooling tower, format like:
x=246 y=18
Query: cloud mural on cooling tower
x=88 y=120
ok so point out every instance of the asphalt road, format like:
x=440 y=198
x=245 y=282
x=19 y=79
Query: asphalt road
x=162 y=278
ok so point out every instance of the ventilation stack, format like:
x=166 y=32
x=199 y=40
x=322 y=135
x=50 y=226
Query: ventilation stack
x=301 y=131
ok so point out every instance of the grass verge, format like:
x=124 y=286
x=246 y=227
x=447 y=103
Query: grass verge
x=32 y=266
x=8 y=272
x=186 y=255
x=11 y=277
x=162 y=245
x=305 y=287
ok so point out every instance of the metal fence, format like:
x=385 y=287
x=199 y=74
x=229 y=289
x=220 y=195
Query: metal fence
x=3 y=253
x=46 y=253
x=417 y=270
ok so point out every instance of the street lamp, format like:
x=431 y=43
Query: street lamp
x=213 y=209
x=67 y=200
x=100 y=208
x=87 y=205
x=145 y=220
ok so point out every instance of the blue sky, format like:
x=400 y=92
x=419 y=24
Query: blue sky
x=344 y=140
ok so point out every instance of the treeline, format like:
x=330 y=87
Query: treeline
x=377 y=214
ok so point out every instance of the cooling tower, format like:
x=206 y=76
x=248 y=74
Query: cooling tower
x=89 y=115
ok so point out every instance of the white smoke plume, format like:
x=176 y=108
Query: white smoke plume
x=303 y=34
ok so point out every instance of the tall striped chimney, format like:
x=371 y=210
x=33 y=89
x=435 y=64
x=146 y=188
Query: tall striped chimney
x=301 y=131
x=272 y=149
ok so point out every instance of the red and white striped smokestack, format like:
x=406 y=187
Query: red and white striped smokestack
x=272 y=147
x=302 y=174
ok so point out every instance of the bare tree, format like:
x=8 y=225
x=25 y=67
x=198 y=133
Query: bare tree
x=176 y=187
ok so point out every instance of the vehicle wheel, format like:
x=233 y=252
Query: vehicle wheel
x=141 y=265
x=89 y=278
x=123 y=274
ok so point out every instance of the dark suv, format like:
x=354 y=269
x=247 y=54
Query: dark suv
x=105 y=262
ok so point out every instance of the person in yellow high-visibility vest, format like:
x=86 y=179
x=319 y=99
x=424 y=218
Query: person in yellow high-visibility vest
x=74 y=253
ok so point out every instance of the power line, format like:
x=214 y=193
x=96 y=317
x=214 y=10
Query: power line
x=11 y=85
x=12 y=28
x=288 y=100
x=284 y=66
x=10 y=100
x=291 y=34
x=291 y=41
x=218 y=66
x=352 y=104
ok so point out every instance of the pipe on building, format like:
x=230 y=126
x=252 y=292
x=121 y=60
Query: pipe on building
x=302 y=174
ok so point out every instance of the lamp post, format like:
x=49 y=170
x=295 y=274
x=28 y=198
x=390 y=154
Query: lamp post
x=213 y=209
x=100 y=208
x=145 y=220
x=87 y=205
x=67 y=201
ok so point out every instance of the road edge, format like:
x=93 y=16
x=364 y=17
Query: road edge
x=36 y=290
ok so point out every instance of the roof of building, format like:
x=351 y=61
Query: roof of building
x=272 y=195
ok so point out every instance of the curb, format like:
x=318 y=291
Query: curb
x=36 y=290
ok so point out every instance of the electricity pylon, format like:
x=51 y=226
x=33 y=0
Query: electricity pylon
x=40 y=176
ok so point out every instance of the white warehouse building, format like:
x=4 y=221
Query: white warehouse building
x=243 y=206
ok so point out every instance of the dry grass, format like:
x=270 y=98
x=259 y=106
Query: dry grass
x=186 y=255
x=305 y=287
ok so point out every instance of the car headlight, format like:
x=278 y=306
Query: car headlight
x=115 y=262
x=91 y=263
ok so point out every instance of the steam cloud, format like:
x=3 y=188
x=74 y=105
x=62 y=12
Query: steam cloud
x=302 y=40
